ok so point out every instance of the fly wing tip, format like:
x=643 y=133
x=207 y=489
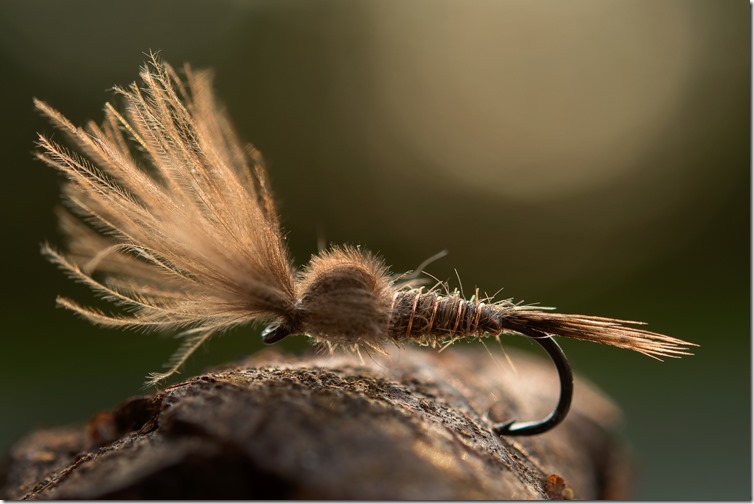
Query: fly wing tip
x=154 y=379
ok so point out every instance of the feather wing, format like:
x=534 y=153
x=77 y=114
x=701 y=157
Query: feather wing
x=171 y=211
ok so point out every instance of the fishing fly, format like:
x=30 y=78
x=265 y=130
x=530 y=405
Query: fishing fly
x=170 y=217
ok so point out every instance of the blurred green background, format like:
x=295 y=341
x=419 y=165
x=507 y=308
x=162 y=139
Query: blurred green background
x=588 y=155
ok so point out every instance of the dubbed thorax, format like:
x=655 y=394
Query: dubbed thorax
x=344 y=299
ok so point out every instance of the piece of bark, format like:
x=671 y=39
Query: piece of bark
x=409 y=425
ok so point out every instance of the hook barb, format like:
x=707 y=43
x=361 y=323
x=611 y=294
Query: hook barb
x=514 y=428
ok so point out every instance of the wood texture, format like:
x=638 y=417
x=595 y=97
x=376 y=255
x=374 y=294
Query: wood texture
x=410 y=425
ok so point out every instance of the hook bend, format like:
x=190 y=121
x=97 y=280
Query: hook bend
x=514 y=428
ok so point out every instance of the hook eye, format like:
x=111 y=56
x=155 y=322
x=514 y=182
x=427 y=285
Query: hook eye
x=275 y=332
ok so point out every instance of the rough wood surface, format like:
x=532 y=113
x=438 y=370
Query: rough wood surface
x=412 y=425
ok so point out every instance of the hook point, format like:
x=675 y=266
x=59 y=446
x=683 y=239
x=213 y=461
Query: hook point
x=511 y=428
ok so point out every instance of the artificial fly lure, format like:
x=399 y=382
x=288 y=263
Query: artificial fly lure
x=176 y=218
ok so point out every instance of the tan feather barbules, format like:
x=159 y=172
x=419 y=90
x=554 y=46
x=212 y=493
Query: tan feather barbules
x=174 y=212
x=171 y=218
